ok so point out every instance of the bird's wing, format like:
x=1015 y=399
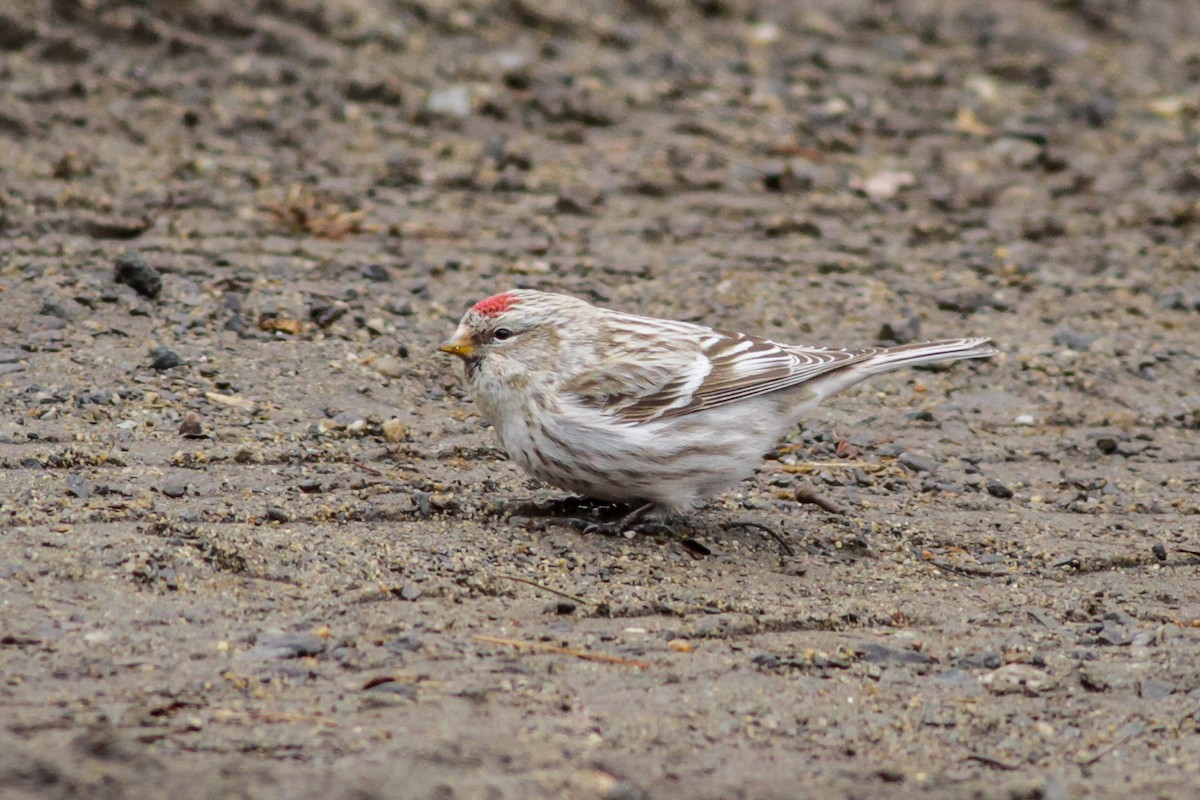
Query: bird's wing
x=656 y=373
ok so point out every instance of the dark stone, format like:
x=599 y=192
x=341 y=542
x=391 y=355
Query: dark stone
x=1106 y=445
x=968 y=301
x=162 y=358
x=174 y=489
x=997 y=489
x=132 y=271
x=325 y=314
x=377 y=273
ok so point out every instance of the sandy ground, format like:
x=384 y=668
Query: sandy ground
x=256 y=542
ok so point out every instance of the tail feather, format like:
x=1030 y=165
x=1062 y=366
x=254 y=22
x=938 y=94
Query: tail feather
x=914 y=355
x=893 y=358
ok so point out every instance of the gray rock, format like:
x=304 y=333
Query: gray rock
x=917 y=462
x=874 y=653
x=1073 y=339
x=79 y=486
x=1154 y=689
x=286 y=645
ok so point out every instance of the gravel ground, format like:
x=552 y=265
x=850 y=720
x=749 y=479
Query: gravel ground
x=256 y=542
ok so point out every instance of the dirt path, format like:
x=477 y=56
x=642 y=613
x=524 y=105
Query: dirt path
x=255 y=542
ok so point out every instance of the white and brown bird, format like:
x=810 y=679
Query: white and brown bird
x=647 y=411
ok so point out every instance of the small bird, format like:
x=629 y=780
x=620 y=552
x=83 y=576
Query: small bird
x=653 y=412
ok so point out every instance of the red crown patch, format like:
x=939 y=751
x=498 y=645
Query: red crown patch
x=496 y=304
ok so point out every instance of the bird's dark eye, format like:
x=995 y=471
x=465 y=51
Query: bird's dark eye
x=501 y=334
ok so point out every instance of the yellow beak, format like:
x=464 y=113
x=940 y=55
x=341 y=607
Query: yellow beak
x=458 y=345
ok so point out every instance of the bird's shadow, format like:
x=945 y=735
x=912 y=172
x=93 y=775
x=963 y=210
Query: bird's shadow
x=599 y=517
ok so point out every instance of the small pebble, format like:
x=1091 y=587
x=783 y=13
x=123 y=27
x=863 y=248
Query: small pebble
x=277 y=514
x=394 y=430
x=377 y=273
x=1073 y=339
x=390 y=367
x=1018 y=679
x=453 y=101
x=190 y=427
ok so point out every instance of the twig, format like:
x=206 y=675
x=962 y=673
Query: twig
x=808 y=466
x=563 y=651
x=572 y=597
x=1131 y=730
x=991 y=762
x=949 y=568
x=804 y=495
x=774 y=534
x=269 y=717
x=366 y=469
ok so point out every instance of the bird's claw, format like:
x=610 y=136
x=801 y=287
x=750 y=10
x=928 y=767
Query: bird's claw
x=619 y=527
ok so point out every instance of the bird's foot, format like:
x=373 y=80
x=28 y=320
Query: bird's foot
x=558 y=507
x=635 y=521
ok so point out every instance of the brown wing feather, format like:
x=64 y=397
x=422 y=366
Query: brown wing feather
x=642 y=381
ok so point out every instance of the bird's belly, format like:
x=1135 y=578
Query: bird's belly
x=673 y=462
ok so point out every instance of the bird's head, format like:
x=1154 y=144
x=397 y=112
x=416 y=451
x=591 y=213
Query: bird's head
x=516 y=334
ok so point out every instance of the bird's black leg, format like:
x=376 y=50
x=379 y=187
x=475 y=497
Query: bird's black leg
x=619 y=526
x=633 y=520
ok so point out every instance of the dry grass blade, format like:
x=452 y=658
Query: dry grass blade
x=302 y=211
x=563 y=651
x=572 y=597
